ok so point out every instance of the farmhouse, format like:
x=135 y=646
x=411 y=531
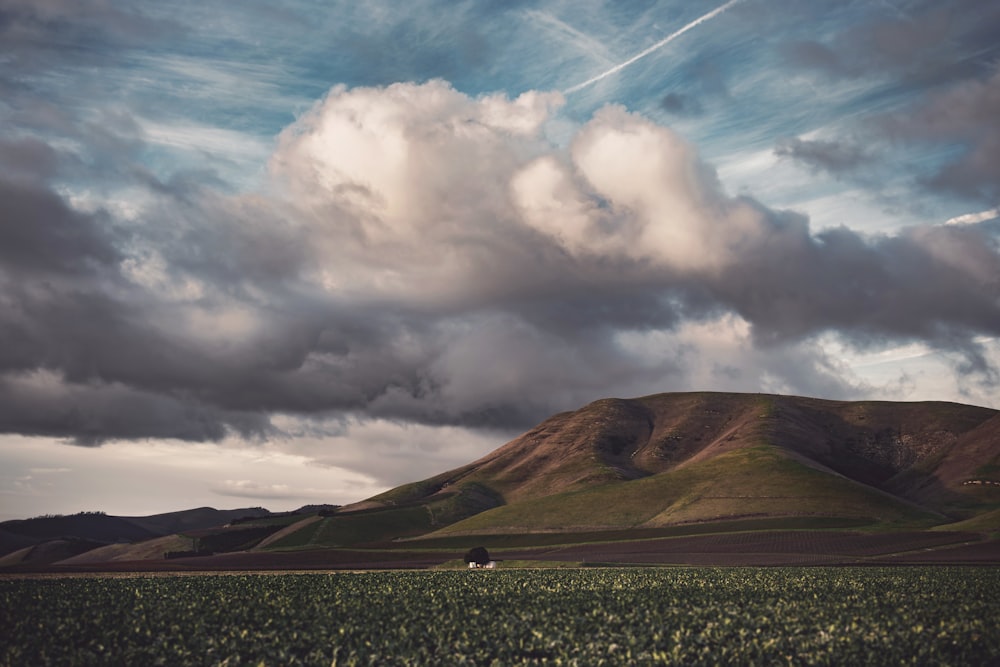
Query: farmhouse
x=479 y=558
x=488 y=565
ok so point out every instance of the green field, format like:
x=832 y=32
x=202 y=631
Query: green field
x=616 y=616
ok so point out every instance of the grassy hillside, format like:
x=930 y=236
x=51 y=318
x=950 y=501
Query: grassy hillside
x=147 y=550
x=686 y=458
x=761 y=481
x=193 y=519
x=985 y=522
x=392 y=516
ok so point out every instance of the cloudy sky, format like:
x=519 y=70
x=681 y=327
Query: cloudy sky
x=258 y=253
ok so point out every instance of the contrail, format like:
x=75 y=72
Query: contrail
x=660 y=44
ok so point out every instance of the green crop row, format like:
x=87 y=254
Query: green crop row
x=509 y=617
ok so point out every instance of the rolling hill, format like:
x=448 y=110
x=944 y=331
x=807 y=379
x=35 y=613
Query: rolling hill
x=43 y=539
x=689 y=458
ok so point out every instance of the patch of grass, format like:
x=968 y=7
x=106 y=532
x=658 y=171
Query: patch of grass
x=985 y=522
x=283 y=520
x=764 y=481
x=303 y=538
x=766 y=408
x=410 y=493
x=366 y=527
x=385 y=524
x=988 y=471
x=234 y=539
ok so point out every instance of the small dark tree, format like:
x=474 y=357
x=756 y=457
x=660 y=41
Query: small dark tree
x=477 y=555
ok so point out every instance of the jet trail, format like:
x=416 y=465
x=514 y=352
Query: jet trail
x=660 y=44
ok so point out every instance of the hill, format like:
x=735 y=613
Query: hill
x=689 y=458
x=44 y=539
x=95 y=526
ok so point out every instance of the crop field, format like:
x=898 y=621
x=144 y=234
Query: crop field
x=614 y=616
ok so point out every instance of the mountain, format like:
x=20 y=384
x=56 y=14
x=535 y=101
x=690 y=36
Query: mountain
x=684 y=458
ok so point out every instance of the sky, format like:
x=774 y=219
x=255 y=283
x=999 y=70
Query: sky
x=276 y=254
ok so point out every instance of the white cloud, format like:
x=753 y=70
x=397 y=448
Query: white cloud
x=973 y=218
x=410 y=160
x=418 y=191
x=670 y=205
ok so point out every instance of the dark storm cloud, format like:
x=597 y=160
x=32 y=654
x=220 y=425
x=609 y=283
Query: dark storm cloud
x=39 y=232
x=936 y=284
x=27 y=159
x=91 y=413
x=83 y=355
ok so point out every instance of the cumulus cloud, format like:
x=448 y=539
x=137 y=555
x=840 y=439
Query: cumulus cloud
x=423 y=256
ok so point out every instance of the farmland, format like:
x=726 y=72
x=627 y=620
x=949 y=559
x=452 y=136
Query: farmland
x=574 y=616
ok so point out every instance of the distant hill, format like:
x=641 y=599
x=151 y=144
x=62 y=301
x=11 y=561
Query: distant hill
x=88 y=530
x=194 y=519
x=683 y=458
x=48 y=551
x=93 y=526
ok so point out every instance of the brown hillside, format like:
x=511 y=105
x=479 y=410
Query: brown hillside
x=917 y=452
x=147 y=550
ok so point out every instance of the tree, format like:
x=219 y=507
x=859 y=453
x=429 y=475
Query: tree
x=477 y=555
